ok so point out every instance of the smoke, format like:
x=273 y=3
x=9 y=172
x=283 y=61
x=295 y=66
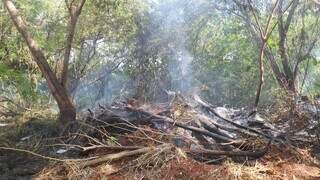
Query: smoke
x=166 y=27
x=185 y=59
x=174 y=22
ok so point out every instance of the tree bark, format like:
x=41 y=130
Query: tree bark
x=261 y=78
x=74 y=13
x=66 y=107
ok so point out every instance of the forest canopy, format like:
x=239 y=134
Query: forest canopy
x=201 y=46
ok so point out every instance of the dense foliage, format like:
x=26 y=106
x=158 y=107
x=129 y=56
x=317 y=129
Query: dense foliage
x=142 y=48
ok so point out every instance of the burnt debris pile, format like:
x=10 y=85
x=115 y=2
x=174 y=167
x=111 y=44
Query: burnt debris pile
x=188 y=124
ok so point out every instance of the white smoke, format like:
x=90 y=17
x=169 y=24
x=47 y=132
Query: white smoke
x=175 y=28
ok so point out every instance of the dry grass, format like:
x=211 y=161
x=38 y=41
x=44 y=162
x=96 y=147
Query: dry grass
x=171 y=163
x=241 y=171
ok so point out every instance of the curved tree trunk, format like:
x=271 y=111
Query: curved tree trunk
x=66 y=107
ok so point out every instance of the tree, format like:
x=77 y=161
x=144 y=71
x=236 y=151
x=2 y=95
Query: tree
x=225 y=60
x=290 y=57
x=264 y=36
x=58 y=90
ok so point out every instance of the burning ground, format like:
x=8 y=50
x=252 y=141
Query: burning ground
x=184 y=138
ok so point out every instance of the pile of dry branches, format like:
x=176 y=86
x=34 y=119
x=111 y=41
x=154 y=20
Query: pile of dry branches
x=185 y=125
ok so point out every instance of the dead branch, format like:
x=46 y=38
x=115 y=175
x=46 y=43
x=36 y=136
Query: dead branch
x=100 y=146
x=117 y=156
x=110 y=147
x=253 y=154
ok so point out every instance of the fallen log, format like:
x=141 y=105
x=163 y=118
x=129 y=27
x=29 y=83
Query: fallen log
x=210 y=109
x=212 y=126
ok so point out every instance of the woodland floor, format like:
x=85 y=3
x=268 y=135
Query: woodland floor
x=38 y=134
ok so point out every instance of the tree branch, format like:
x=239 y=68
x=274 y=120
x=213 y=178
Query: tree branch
x=74 y=13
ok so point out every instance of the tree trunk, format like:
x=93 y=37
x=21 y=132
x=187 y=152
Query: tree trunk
x=64 y=74
x=66 y=107
x=74 y=13
x=261 y=78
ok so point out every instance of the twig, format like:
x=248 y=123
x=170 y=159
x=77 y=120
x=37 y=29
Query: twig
x=88 y=148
